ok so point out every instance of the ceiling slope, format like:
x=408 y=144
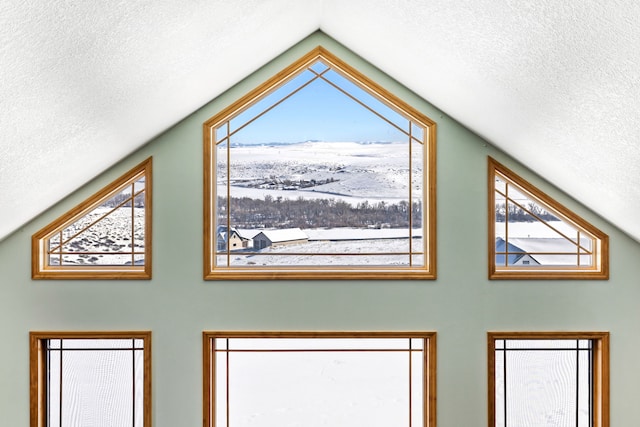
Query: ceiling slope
x=83 y=84
x=554 y=84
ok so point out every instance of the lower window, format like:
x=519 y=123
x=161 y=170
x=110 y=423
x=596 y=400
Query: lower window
x=90 y=379
x=319 y=379
x=548 y=378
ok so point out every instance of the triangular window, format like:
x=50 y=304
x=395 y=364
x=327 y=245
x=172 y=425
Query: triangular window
x=319 y=173
x=108 y=236
x=532 y=236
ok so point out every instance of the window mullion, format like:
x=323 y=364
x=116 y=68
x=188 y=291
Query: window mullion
x=577 y=383
x=228 y=154
x=410 y=383
x=591 y=396
x=227 y=373
x=504 y=381
x=410 y=186
x=133 y=381
x=60 y=387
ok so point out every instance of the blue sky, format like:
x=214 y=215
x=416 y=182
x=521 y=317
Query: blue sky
x=318 y=112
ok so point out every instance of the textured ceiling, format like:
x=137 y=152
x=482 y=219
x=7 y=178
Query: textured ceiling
x=554 y=84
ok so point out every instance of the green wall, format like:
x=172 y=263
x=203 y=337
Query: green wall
x=177 y=305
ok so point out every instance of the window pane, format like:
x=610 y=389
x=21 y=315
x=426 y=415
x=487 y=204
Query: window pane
x=417 y=187
x=78 y=343
x=87 y=399
x=543 y=382
x=53 y=393
x=541 y=388
x=221 y=394
x=499 y=399
x=418 y=132
x=221 y=132
x=418 y=260
x=138 y=379
x=107 y=229
x=398 y=121
x=317 y=344
x=330 y=159
x=269 y=101
x=533 y=232
x=417 y=387
x=318 y=389
x=315 y=260
x=319 y=381
x=319 y=67
x=94 y=382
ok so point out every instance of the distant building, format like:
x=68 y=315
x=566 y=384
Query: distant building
x=285 y=236
x=556 y=251
x=514 y=255
x=233 y=239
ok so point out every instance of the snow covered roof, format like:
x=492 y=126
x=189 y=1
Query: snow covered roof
x=283 y=235
x=514 y=252
x=539 y=249
x=361 y=233
x=565 y=249
x=223 y=235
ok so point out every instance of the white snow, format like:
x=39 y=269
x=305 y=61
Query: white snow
x=373 y=171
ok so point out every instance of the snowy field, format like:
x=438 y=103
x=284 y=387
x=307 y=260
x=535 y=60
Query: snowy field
x=319 y=388
x=109 y=241
x=536 y=229
x=346 y=171
x=349 y=171
x=357 y=171
x=362 y=252
x=354 y=173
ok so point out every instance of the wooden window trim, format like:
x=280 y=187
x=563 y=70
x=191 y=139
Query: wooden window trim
x=323 y=272
x=37 y=365
x=40 y=267
x=429 y=362
x=600 y=269
x=600 y=368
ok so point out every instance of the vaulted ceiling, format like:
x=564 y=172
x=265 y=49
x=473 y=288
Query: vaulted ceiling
x=554 y=84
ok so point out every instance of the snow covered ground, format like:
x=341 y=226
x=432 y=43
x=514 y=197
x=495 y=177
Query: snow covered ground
x=319 y=388
x=362 y=252
x=349 y=171
x=110 y=241
x=536 y=229
x=358 y=171
x=547 y=242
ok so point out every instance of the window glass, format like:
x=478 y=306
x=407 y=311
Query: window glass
x=84 y=381
x=321 y=175
x=541 y=380
x=106 y=236
x=536 y=237
x=319 y=379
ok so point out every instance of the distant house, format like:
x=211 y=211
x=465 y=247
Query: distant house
x=514 y=255
x=285 y=236
x=552 y=251
x=233 y=239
